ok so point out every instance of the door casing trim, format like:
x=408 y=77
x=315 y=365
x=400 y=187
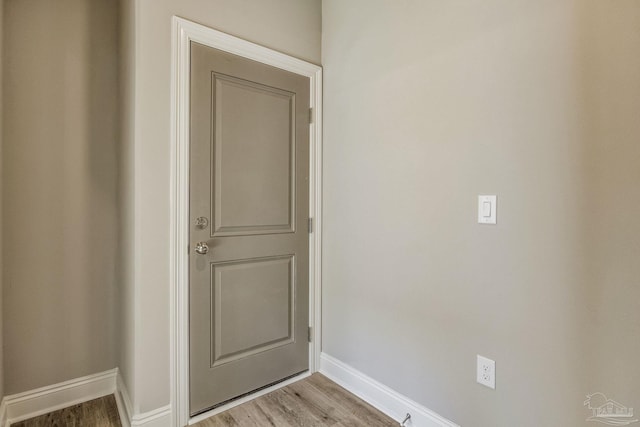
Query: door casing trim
x=183 y=33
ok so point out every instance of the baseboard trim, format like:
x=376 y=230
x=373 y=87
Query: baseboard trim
x=29 y=404
x=380 y=396
x=160 y=417
x=40 y=401
x=3 y=413
x=123 y=402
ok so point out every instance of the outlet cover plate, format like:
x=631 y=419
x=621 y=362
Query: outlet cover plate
x=486 y=372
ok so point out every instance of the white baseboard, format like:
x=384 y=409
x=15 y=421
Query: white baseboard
x=380 y=396
x=123 y=401
x=21 y=406
x=30 y=404
x=3 y=413
x=160 y=417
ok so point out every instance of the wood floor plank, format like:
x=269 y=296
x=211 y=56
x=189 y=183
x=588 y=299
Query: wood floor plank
x=325 y=409
x=252 y=415
x=101 y=412
x=350 y=403
x=315 y=401
x=223 y=420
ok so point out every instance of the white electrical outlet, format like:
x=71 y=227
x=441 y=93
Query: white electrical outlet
x=486 y=372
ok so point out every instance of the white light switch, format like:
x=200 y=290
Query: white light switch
x=487 y=209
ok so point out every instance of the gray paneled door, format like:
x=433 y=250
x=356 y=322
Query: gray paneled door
x=249 y=206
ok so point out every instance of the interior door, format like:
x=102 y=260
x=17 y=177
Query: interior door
x=249 y=243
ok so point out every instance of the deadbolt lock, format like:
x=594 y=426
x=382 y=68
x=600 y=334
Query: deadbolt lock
x=202 y=223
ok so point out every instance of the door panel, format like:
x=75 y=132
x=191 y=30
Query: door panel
x=254 y=180
x=252 y=307
x=249 y=177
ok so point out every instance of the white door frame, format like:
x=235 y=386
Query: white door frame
x=184 y=32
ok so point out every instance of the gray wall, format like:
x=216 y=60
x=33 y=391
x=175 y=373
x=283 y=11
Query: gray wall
x=290 y=26
x=59 y=182
x=427 y=105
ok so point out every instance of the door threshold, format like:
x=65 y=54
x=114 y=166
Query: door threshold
x=225 y=406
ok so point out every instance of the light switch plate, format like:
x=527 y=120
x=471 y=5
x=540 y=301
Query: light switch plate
x=487 y=209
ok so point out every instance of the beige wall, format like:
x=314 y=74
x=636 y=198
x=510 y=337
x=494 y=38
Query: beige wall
x=612 y=34
x=290 y=26
x=427 y=105
x=1 y=104
x=59 y=181
x=126 y=295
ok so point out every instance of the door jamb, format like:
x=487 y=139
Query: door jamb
x=183 y=33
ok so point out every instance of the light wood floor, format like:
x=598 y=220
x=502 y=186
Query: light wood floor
x=101 y=412
x=315 y=401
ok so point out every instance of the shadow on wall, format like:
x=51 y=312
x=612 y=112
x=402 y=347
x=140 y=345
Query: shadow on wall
x=60 y=190
x=612 y=66
x=103 y=160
